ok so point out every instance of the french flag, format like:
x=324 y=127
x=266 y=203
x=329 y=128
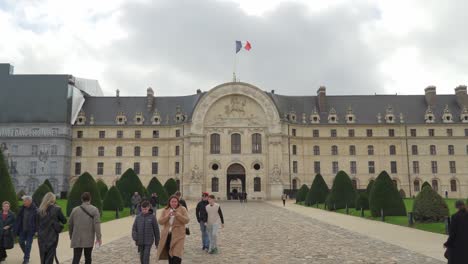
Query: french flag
x=242 y=44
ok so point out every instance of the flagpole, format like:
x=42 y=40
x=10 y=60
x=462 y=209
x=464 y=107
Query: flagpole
x=234 y=78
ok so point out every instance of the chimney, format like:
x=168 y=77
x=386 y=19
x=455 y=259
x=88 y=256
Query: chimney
x=461 y=95
x=198 y=91
x=6 y=69
x=322 y=99
x=149 y=98
x=117 y=93
x=430 y=92
x=272 y=91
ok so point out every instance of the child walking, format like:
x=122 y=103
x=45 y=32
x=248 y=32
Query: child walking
x=145 y=232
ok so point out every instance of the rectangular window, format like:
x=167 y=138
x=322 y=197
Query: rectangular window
x=257 y=184
x=335 y=167
x=453 y=167
x=177 y=150
x=333 y=133
x=155 y=151
x=449 y=132
x=119 y=133
x=137 y=133
x=100 y=168
x=416 y=167
x=215 y=144
x=100 y=151
x=256 y=143
x=391 y=132
x=315 y=133
x=392 y=150
x=414 y=150
x=413 y=132
x=53 y=167
x=33 y=167
x=316 y=167
x=466 y=132
x=293 y=132
x=34 y=150
x=118 y=168
x=177 y=167
x=353 y=167
x=370 y=150
x=451 y=150
x=294 y=166
x=432 y=150
x=393 y=167
x=434 y=166
x=294 y=149
x=54 y=150
x=351 y=133
x=177 y=133
x=352 y=150
x=119 y=151
x=154 y=168
x=102 y=134
x=155 y=133
x=371 y=165
x=136 y=151
x=316 y=150
x=369 y=132
x=79 y=151
x=431 y=132
x=136 y=167
x=77 y=168
x=79 y=134
x=236 y=143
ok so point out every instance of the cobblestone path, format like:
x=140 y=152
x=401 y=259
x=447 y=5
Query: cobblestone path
x=259 y=233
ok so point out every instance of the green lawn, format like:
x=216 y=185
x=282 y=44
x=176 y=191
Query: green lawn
x=106 y=215
x=403 y=220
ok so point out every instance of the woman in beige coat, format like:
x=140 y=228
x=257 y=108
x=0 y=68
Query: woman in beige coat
x=173 y=220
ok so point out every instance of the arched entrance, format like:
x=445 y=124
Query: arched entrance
x=235 y=181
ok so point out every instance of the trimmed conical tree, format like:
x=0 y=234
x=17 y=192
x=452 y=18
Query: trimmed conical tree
x=302 y=193
x=113 y=200
x=429 y=206
x=85 y=183
x=155 y=186
x=318 y=191
x=7 y=192
x=425 y=184
x=342 y=194
x=102 y=188
x=384 y=195
x=362 y=201
x=40 y=192
x=170 y=186
x=128 y=184
x=47 y=182
x=20 y=195
x=369 y=187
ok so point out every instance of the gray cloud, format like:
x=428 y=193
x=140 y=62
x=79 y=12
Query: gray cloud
x=180 y=46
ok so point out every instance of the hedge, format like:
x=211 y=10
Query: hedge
x=302 y=193
x=85 y=183
x=342 y=194
x=47 y=182
x=113 y=200
x=384 y=195
x=128 y=184
x=362 y=201
x=155 y=186
x=102 y=187
x=425 y=184
x=318 y=191
x=170 y=186
x=429 y=206
x=369 y=187
x=40 y=193
x=8 y=190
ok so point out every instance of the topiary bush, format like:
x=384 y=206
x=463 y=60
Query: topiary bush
x=318 y=191
x=155 y=186
x=369 y=187
x=384 y=195
x=84 y=183
x=47 y=182
x=429 y=206
x=128 y=184
x=170 y=186
x=7 y=192
x=39 y=193
x=362 y=201
x=342 y=194
x=102 y=187
x=425 y=184
x=302 y=193
x=113 y=200
x=20 y=195
x=402 y=193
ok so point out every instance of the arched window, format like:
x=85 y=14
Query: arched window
x=215 y=143
x=334 y=150
x=433 y=150
x=256 y=143
x=392 y=150
x=435 y=185
x=79 y=151
x=316 y=150
x=453 y=185
x=257 y=184
x=236 y=143
x=416 y=185
x=294 y=184
x=370 y=150
x=214 y=184
x=395 y=183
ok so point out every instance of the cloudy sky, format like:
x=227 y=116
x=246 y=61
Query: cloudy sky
x=178 y=46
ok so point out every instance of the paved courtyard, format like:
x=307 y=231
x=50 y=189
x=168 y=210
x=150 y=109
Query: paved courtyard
x=261 y=233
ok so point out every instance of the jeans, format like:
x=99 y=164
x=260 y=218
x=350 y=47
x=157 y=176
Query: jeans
x=154 y=209
x=133 y=207
x=25 y=242
x=204 y=233
x=213 y=234
x=145 y=252
x=77 y=255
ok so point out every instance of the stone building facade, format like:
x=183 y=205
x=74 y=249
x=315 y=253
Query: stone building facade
x=237 y=137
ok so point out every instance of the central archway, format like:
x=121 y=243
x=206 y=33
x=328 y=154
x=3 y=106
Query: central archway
x=235 y=181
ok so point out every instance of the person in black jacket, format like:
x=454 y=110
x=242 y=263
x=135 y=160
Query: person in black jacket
x=26 y=226
x=181 y=201
x=50 y=221
x=457 y=242
x=202 y=218
x=154 y=202
x=145 y=232
x=7 y=222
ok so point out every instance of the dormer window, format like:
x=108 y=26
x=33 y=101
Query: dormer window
x=332 y=116
x=179 y=117
x=121 y=119
x=464 y=115
x=447 y=116
x=350 y=117
x=81 y=120
x=389 y=116
x=292 y=116
x=315 y=117
x=156 y=119
x=139 y=119
x=429 y=116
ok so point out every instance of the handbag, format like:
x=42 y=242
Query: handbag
x=187 y=231
x=8 y=239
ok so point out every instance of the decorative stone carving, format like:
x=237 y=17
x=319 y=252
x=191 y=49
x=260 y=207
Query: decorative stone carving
x=350 y=116
x=179 y=117
x=196 y=175
x=464 y=115
x=139 y=119
x=121 y=118
x=389 y=116
x=276 y=174
x=235 y=131
x=315 y=117
x=332 y=116
x=156 y=119
x=236 y=107
x=429 y=117
x=81 y=119
x=447 y=115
